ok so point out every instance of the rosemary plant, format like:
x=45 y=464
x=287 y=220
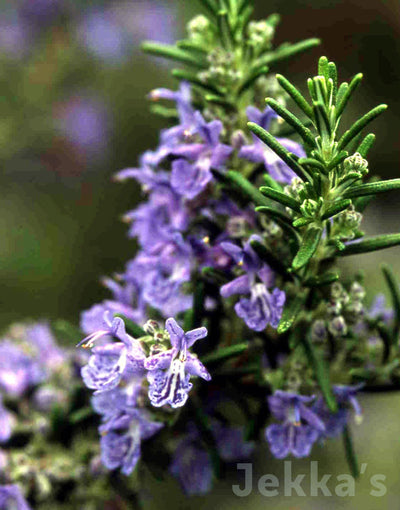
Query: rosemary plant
x=232 y=322
x=235 y=209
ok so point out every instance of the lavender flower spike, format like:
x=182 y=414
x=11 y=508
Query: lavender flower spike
x=108 y=363
x=170 y=371
x=292 y=436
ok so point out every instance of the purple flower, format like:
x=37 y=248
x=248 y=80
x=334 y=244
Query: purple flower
x=205 y=156
x=191 y=465
x=230 y=442
x=162 y=274
x=110 y=362
x=292 y=436
x=170 y=371
x=261 y=153
x=262 y=307
x=12 y=499
x=127 y=301
x=7 y=423
x=335 y=422
x=122 y=450
x=379 y=309
x=18 y=370
x=187 y=119
x=189 y=180
x=156 y=221
x=49 y=353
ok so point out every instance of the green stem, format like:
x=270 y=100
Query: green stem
x=350 y=453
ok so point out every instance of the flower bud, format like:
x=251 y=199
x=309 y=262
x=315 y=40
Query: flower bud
x=198 y=26
x=357 y=291
x=309 y=208
x=260 y=33
x=238 y=139
x=151 y=327
x=338 y=326
x=356 y=163
x=318 y=331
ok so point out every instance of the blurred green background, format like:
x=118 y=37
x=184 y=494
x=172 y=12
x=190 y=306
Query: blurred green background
x=60 y=212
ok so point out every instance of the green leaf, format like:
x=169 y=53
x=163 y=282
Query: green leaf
x=293 y=121
x=224 y=28
x=323 y=67
x=225 y=353
x=313 y=163
x=286 y=51
x=359 y=125
x=387 y=339
x=273 y=144
x=344 y=97
x=135 y=330
x=321 y=118
x=291 y=311
x=267 y=256
x=220 y=101
x=173 y=53
x=263 y=70
x=297 y=97
x=271 y=182
x=214 y=274
x=210 y=6
x=336 y=208
x=302 y=222
x=311 y=89
x=371 y=244
x=193 y=78
x=284 y=222
x=246 y=188
x=372 y=188
x=350 y=453
x=163 y=111
x=341 y=92
x=276 y=215
x=280 y=197
x=324 y=279
x=332 y=72
x=191 y=46
x=361 y=203
x=81 y=415
x=394 y=289
x=308 y=247
x=321 y=373
x=366 y=145
x=337 y=160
